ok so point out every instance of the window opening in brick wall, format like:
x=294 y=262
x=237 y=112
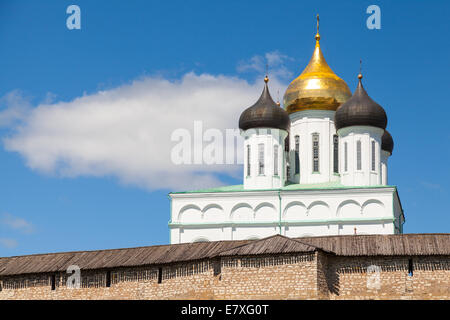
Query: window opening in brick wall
x=53 y=281
x=108 y=278
x=217 y=267
x=159 y=275
x=410 y=268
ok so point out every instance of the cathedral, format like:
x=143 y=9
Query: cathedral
x=314 y=218
x=317 y=167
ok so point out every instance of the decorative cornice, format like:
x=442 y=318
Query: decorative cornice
x=274 y=192
x=226 y=224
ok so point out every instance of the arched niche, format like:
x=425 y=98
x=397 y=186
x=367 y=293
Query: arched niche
x=213 y=212
x=242 y=212
x=190 y=213
x=373 y=208
x=295 y=210
x=265 y=211
x=318 y=210
x=349 y=209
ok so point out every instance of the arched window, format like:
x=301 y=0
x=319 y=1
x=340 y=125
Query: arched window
x=315 y=145
x=261 y=158
x=297 y=154
x=358 y=155
x=275 y=160
x=373 y=155
x=345 y=157
x=288 y=171
x=335 y=154
x=248 y=160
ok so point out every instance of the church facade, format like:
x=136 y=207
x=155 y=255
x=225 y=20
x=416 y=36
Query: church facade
x=317 y=167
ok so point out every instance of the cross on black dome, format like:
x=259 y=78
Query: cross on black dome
x=360 y=110
x=265 y=113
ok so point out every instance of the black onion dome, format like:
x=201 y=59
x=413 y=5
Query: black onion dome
x=360 y=110
x=265 y=113
x=387 y=143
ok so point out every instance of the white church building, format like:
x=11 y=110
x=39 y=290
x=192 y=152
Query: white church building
x=317 y=167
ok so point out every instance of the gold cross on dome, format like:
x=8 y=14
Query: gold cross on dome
x=317 y=23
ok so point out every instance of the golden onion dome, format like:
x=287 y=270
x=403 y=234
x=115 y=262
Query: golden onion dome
x=317 y=87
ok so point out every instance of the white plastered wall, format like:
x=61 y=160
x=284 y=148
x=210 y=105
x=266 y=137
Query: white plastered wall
x=364 y=176
x=257 y=214
x=304 y=124
x=270 y=138
x=384 y=167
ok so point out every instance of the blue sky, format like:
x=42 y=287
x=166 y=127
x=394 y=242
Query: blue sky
x=57 y=87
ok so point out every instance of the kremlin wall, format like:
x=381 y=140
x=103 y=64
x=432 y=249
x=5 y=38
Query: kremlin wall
x=408 y=266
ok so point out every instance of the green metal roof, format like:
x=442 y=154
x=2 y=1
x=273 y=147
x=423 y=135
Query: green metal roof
x=292 y=186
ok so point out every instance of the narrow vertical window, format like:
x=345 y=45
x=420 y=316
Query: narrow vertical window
x=108 y=278
x=410 y=268
x=315 y=141
x=53 y=281
x=373 y=155
x=159 y=275
x=345 y=156
x=248 y=160
x=217 y=267
x=358 y=155
x=275 y=160
x=261 y=158
x=335 y=154
x=297 y=154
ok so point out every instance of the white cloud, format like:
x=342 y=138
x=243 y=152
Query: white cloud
x=16 y=223
x=275 y=60
x=255 y=63
x=8 y=243
x=17 y=108
x=125 y=132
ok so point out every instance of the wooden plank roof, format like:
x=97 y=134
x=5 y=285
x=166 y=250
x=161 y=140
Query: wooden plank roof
x=276 y=244
x=413 y=244
x=114 y=258
x=352 y=245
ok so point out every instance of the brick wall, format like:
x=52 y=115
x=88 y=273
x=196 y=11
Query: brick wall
x=296 y=276
x=322 y=275
x=350 y=279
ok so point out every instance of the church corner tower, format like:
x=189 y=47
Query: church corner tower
x=360 y=124
x=264 y=127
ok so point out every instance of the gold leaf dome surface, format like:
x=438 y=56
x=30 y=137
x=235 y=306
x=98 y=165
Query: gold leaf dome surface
x=317 y=87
